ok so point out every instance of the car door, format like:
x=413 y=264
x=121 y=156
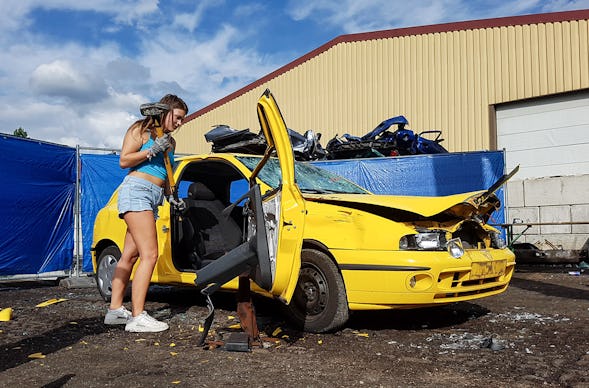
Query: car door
x=285 y=205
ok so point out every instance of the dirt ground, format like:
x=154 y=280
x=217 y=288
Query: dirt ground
x=535 y=334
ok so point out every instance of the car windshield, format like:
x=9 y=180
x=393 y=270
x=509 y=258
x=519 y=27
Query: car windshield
x=309 y=178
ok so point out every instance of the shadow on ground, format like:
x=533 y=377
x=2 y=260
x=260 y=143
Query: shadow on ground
x=416 y=319
x=550 y=289
x=17 y=353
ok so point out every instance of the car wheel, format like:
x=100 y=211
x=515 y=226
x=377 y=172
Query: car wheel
x=105 y=269
x=319 y=303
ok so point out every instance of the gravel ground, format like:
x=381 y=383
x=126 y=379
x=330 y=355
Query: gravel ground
x=535 y=334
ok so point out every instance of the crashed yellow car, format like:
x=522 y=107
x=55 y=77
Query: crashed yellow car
x=320 y=244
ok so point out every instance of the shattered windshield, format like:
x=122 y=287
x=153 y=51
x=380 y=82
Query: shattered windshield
x=309 y=178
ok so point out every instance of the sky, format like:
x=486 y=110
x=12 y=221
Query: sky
x=74 y=72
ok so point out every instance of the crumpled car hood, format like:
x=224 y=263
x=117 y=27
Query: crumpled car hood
x=464 y=205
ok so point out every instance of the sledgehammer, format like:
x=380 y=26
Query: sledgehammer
x=156 y=111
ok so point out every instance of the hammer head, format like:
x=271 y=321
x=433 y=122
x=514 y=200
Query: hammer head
x=153 y=109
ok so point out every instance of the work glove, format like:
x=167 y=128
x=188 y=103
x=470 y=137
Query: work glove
x=161 y=144
x=178 y=204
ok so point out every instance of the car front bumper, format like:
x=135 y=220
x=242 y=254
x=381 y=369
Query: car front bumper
x=408 y=279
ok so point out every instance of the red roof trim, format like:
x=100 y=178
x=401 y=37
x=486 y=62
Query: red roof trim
x=554 y=17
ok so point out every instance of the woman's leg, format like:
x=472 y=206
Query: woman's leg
x=123 y=271
x=141 y=227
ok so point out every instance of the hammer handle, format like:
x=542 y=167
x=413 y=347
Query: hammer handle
x=167 y=163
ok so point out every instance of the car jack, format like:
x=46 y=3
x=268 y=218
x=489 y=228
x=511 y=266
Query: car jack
x=237 y=342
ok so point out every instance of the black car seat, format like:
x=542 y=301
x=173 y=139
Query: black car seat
x=215 y=234
x=190 y=246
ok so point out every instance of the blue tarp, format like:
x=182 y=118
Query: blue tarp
x=423 y=175
x=101 y=175
x=37 y=202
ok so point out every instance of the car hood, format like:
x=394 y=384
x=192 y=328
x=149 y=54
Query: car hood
x=465 y=205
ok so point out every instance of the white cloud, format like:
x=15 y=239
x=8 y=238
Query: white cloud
x=369 y=15
x=60 y=79
x=126 y=71
x=191 y=21
x=564 y=5
x=206 y=70
x=88 y=93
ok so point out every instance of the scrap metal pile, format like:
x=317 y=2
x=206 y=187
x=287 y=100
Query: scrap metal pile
x=389 y=138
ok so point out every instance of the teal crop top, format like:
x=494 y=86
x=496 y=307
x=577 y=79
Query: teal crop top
x=155 y=166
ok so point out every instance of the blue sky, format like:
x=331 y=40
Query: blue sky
x=75 y=71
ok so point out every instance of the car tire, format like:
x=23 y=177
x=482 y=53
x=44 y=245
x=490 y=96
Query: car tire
x=319 y=303
x=105 y=268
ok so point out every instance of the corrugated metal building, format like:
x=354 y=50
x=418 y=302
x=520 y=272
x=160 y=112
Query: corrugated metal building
x=516 y=83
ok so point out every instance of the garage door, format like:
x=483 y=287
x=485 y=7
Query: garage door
x=546 y=137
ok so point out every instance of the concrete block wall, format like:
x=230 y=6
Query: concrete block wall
x=549 y=200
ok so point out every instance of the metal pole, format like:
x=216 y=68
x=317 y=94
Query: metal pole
x=505 y=196
x=77 y=215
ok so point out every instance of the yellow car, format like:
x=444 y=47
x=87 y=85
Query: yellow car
x=320 y=244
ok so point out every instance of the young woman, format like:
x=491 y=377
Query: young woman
x=140 y=194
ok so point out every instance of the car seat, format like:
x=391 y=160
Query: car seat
x=214 y=233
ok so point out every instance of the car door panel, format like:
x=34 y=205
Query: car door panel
x=288 y=202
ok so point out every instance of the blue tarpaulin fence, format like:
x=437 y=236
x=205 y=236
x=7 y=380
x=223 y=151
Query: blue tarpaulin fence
x=423 y=175
x=100 y=176
x=39 y=184
x=36 y=206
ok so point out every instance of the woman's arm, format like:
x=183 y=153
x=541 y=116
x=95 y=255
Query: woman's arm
x=132 y=142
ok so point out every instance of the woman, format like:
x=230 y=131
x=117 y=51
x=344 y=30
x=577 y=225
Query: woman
x=140 y=194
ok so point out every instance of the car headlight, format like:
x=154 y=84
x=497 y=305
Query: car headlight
x=497 y=241
x=426 y=241
x=455 y=248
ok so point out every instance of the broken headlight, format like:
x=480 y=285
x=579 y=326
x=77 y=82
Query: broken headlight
x=455 y=248
x=425 y=241
x=497 y=241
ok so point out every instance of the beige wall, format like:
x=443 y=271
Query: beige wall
x=443 y=80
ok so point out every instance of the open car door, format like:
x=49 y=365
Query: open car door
x=271 y=254
x=284 y=207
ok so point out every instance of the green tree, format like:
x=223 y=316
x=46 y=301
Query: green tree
x=20 y=132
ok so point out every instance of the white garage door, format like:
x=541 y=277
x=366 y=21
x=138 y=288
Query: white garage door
x=546 y=137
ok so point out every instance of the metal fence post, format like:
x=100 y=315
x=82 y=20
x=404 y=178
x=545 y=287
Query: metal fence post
x=77 y=217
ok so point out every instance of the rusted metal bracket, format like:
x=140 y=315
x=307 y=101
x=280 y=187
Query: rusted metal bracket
x=246 y=311
x=247 y=318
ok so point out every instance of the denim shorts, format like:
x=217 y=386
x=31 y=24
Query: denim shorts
x=137 y=194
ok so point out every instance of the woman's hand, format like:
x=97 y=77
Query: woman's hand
x=177 y=204
x=161 y=144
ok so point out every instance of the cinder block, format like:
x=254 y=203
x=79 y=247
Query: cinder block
x=515 y=194
x=580 y=213
x=555 y=214
x=543 y=191
x=555 y=191
x=524 y=214
x=78 y=282
x=576 y=190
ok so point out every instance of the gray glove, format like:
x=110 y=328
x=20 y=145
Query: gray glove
x=161 y=144
x=178 y=204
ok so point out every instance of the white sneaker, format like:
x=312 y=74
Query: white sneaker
x=118 y=316
x=144 y=323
